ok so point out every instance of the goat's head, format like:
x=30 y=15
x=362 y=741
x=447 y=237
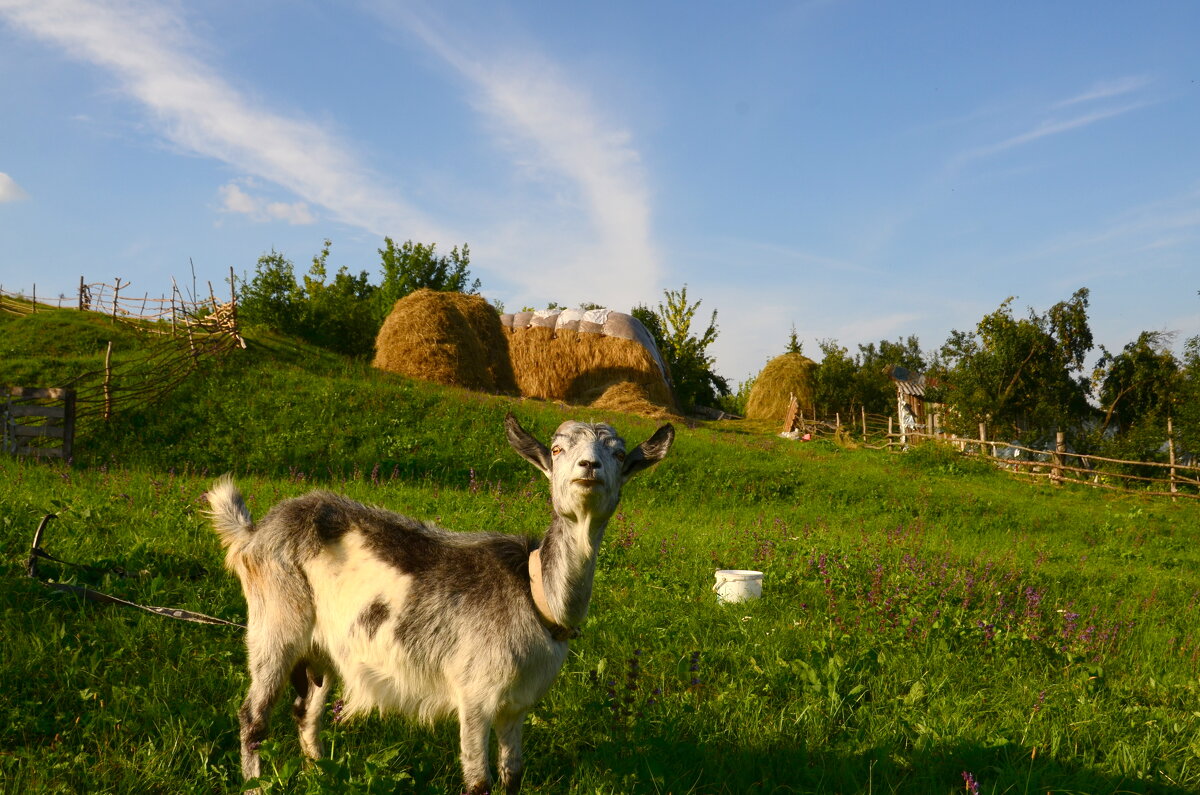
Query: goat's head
x=587 y=464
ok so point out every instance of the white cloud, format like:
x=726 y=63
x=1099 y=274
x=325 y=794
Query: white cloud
x=10 y=191
x=148 y=48
x=1056 y=123
x=236 y=200
x=555 y=130
x=1106 y=89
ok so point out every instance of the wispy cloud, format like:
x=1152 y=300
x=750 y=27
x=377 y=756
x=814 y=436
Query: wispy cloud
x=10 y=191
x=1106 y=89
x=148 y=48
x=554 y=130
x=236 y=200
x=1055 y=123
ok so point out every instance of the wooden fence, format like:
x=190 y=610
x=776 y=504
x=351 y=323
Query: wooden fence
x=40 y=422
x=186 y=332
x=172 y=314
x=1168 y=479
x=1155 y=478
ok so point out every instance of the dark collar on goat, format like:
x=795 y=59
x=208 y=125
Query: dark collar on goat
x=557 y=631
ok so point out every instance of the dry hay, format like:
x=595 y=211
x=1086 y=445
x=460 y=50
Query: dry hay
x=448 y=338
x=580 y=366
x=631 y=398
x=783 y=376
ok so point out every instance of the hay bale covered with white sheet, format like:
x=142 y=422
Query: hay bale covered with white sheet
x=581 y=356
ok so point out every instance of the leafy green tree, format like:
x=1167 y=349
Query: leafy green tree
x=873 y=386
x=1187 y=399
x=847 y=385
x=338 y=314
x=834 y=380
x=685 y=352
x=1019 y=375
x=1138 y=385
x=272 y=298
x=414 y=266
x=344 y=313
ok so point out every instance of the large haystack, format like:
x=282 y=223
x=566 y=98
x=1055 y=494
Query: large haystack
x=784 y=376
x=579 y=357
x=448 y=338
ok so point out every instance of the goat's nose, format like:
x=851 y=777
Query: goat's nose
x=589 y=465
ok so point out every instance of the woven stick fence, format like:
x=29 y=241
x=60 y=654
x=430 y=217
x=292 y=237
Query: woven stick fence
x=188 y=331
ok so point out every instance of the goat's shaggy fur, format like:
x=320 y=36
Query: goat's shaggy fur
x=417 y=619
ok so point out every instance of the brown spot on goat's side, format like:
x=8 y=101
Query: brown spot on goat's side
x=374 y=616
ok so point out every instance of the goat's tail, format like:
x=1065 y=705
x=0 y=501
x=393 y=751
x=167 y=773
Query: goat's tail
x=230 y=517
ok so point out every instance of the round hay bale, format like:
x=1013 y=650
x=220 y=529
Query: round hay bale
x=783 y=376
x=448 y=338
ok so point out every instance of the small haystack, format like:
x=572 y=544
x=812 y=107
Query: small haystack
x=448 y=338
x=784 y=376
x=630 y=398
x=583 y=357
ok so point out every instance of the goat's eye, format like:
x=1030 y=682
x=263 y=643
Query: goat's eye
x=555 y=450
x=619 y=454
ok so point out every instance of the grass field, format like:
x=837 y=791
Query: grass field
x=927 y=624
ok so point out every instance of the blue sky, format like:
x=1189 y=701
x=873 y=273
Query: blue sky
x=858 y=170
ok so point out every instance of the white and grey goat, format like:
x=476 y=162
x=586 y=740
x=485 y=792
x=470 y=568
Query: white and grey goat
x=417 y=619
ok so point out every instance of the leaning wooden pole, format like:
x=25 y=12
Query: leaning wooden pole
x=1171 y=452
x=108 y=382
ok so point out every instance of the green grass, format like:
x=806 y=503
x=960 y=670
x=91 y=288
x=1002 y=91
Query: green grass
x=923 y=616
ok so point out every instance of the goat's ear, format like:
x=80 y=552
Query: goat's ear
x=649 y=452
x=530 y=448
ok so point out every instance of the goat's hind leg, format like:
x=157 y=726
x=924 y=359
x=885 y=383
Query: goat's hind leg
x=271 y=658
x=311 y=684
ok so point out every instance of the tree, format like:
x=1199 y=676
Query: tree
x=847 y=385
x=1020 y=376
x=345 y=313
x=794 y=344
x=834 y=380
x=873 y=386
x=686 y=354
x=272 y=298
x=414 y=266
x=1187 y=400
x=338 y=315
x=1138 y=385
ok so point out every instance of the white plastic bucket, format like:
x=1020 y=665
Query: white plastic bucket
x=738 y=585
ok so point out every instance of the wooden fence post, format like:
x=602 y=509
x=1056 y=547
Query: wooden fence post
x=116 y=294
x=68 y=445
x=864 y=422
x=1057 y=459
x=35 y=298
x=983 y=439
x=1171 y=452
x=108 y=382
x=80 y=293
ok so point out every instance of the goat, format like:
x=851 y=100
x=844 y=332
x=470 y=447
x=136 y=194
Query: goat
x=417 y=619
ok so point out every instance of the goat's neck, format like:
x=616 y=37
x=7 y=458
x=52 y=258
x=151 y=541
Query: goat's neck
x=568 y=560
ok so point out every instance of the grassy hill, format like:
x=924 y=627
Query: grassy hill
x=923 y=616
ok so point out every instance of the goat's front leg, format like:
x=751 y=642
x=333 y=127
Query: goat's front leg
x=474 y=729
x=508 y=735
